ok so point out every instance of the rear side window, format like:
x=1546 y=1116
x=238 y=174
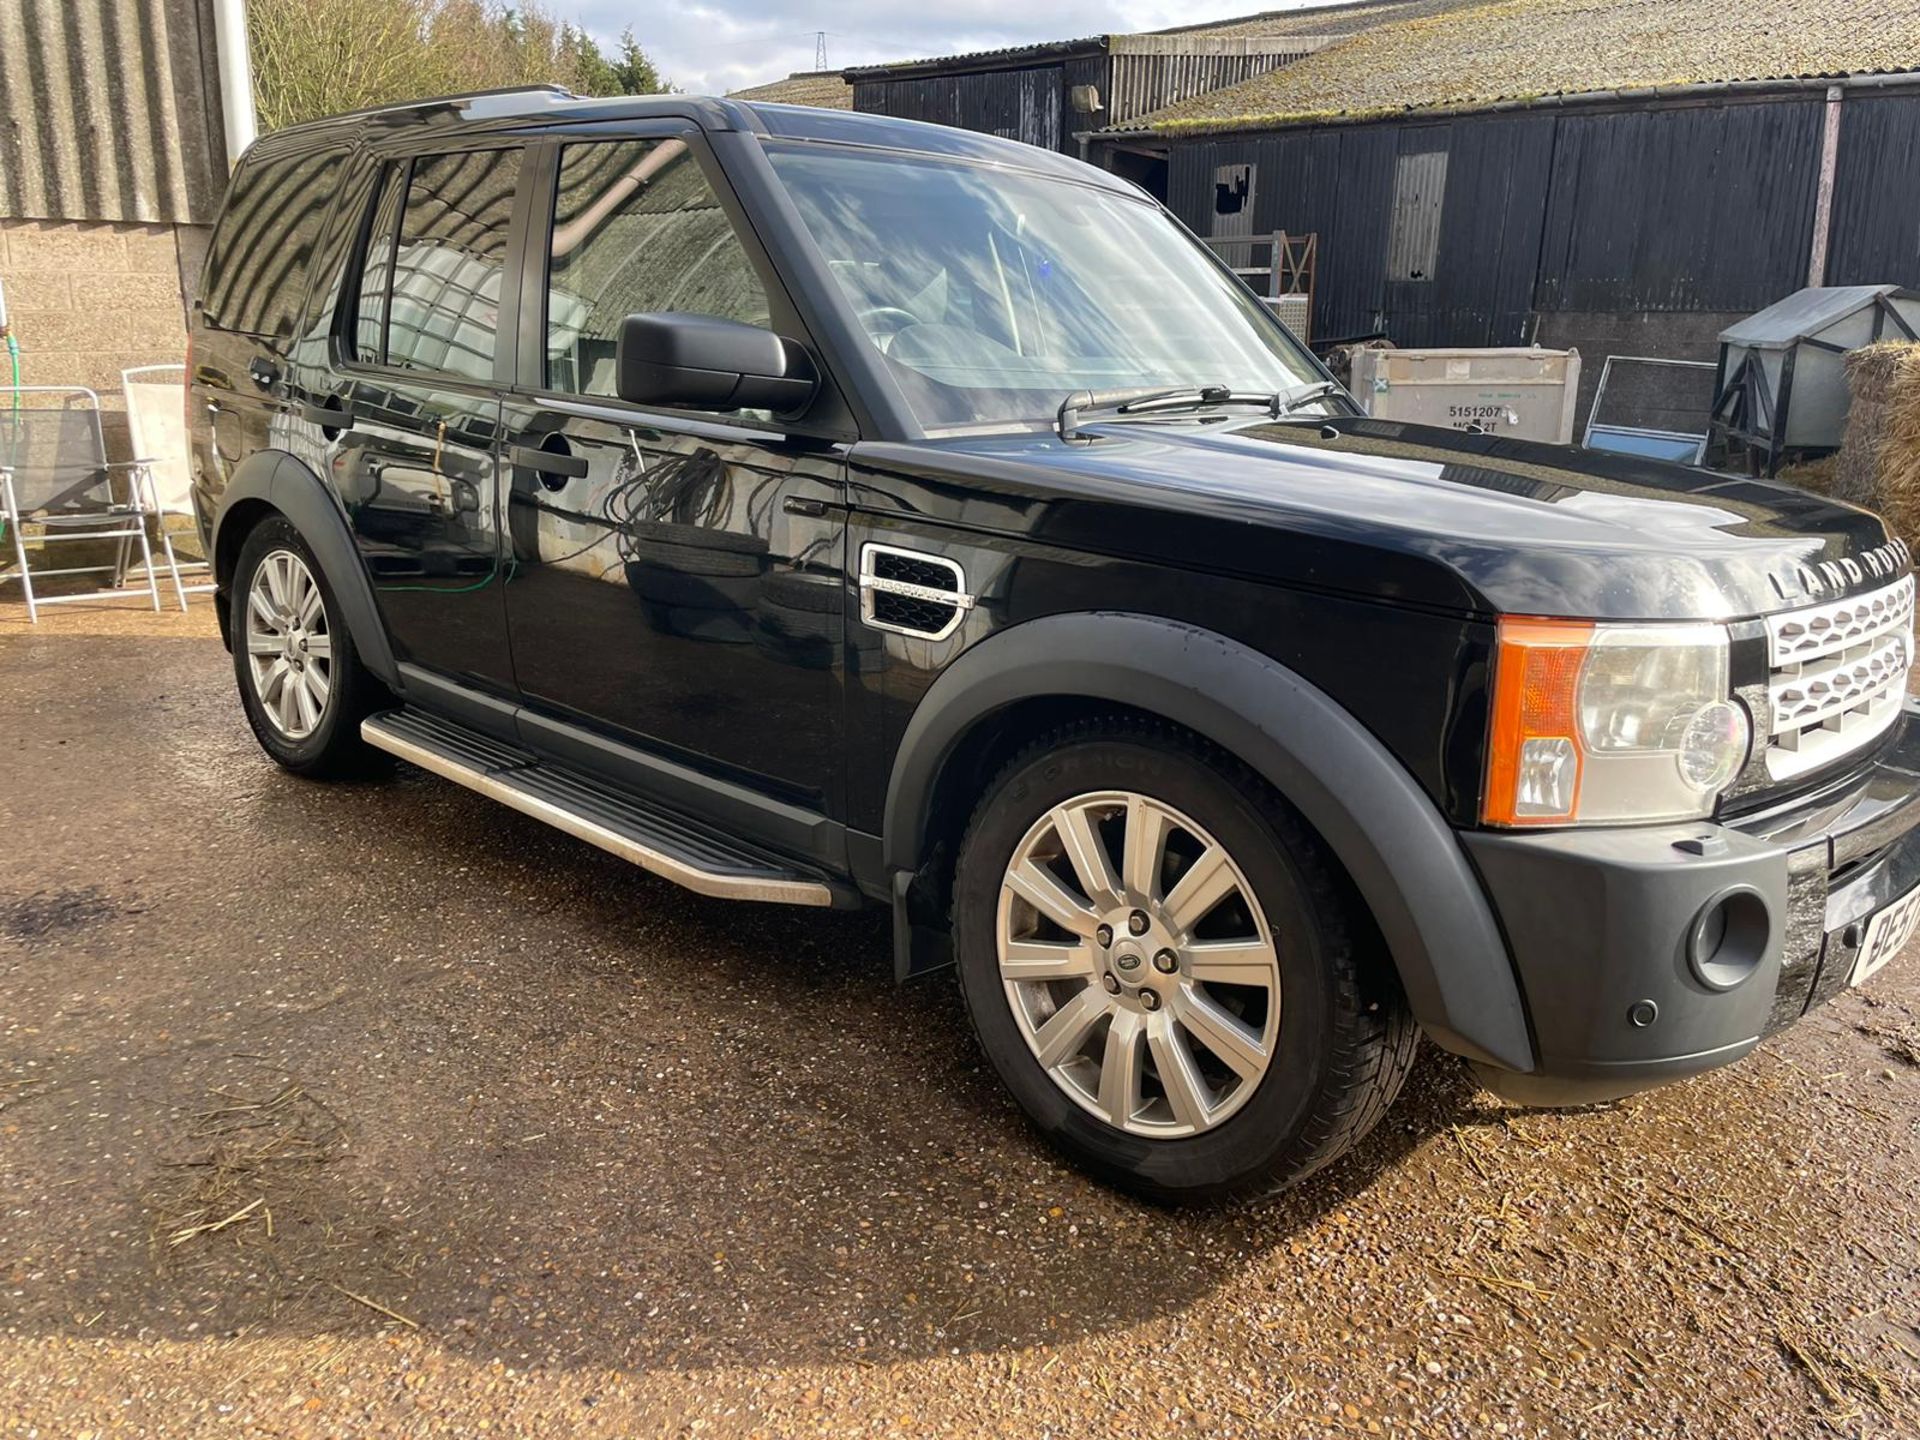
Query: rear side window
x=636 y=227
x=429 y=296
x=376 y=273
x=256 y=275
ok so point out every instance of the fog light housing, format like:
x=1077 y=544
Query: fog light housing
x=1729 y=938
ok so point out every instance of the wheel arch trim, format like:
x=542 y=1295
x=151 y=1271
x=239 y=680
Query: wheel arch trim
x=286 y=485
x=1400 y=851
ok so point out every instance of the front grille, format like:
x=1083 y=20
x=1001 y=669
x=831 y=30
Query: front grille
x=1838 y=674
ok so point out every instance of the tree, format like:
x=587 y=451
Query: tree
x=633 y=71
x=320 y=57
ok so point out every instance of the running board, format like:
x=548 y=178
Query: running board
x=656 y=841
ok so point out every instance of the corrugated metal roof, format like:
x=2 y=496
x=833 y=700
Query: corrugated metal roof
x=1003 y=57
x=1463 y=56
x=823 y=89
x=110 y=110
x=1272 y=32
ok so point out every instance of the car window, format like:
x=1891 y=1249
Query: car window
x=440 y=281
x=376 y=271
x=636 y=229
x=257 y=271
x=993 y=292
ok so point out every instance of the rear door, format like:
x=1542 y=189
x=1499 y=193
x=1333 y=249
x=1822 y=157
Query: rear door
x=419 y=470
x=678 y=578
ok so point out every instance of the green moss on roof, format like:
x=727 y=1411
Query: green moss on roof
x=823 y=89
x=1348 y=18
x=1469 y=55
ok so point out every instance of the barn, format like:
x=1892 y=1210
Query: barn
x=1051 y=94
x=1620 y=176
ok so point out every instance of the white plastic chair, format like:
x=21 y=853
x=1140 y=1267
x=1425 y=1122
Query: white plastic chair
x=54 y=473
x=157 y=429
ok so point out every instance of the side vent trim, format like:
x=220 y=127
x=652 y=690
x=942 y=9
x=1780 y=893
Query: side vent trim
x=909 y=592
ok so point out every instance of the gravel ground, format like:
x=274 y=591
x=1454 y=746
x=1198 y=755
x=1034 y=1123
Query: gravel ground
x=378 y=1109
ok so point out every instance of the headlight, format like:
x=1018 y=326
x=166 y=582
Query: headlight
x=1610 y=724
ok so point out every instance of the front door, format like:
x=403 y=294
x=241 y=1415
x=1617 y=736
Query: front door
x=678 y=580
x=418 y=471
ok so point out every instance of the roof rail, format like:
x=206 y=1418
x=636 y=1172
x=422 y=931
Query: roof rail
x=434 y=104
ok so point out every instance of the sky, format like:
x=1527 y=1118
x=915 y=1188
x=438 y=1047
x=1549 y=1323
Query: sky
x=707 y=48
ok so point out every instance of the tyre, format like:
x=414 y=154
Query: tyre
x=301 y=681
x=720 y=625
x=678 y=587
x=678 y=535
x=1164 y=967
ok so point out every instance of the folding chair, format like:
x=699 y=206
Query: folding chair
x=157 y=428
x=54 y=473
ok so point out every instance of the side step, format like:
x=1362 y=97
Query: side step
x=655 y=840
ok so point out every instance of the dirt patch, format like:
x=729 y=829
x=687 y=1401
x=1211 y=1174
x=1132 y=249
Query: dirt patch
x=51 y=912
x=259 y=1215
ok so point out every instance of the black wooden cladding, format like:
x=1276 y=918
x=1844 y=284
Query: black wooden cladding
x=1028 y=104
x=1876 y=204
x=1661 y=208
x=1700 y=208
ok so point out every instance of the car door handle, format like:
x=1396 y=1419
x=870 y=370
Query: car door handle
x=548 y=462
x=803 y=505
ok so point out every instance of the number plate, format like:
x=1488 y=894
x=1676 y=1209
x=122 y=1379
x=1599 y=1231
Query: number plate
x=1887 y=934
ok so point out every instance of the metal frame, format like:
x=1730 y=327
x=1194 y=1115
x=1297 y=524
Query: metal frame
x=137 y=509
x=174 y=566
x=1606 y=369
x=1293 y=261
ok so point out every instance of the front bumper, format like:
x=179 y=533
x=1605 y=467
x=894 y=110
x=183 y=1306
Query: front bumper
x=1648 y=955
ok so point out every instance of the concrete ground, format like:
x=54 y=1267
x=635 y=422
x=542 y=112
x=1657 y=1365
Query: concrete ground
x=377 y=1109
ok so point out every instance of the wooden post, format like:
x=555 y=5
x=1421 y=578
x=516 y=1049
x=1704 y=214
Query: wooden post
x=1823 y=196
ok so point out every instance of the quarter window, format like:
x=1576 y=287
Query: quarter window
x=636 y=229
x=376 y=272
x=430 y=297
x=257 y=274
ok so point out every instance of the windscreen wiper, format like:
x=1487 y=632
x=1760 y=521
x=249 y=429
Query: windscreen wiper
x=1124 y=404
x=1292 y=400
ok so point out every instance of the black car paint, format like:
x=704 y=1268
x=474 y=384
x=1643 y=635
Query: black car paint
x=1367 y=559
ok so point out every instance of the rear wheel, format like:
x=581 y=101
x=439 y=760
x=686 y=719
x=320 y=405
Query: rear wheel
x=1166 y=969
x=301 y=680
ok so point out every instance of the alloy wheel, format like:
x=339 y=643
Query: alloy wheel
x=289 y=647
x=1138 y=964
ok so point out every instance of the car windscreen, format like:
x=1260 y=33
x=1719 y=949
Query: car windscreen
x=994 y=292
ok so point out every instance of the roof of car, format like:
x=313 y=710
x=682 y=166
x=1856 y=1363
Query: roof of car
x=505 y=108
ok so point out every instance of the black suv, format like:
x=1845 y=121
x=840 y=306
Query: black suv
x=836 y=510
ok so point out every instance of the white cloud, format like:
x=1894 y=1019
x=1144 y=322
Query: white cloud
x=711 y=49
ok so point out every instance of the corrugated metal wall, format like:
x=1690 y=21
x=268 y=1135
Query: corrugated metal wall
x=1339 y=183
x=1876 y=204
x=1024 y=105
x=1704 y=207
x=1684 y=208
x=1145 y=82
x=109 y=110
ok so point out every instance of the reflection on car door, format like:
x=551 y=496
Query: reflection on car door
x=418 y=471
x=678 y=581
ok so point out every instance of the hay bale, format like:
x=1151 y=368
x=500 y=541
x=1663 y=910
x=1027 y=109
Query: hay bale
x=1879 y=461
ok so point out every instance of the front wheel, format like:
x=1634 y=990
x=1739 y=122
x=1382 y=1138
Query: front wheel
x=1166 y=969
x=301 y=680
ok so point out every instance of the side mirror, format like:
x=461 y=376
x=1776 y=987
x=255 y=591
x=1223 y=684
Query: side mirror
x=708 y=363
